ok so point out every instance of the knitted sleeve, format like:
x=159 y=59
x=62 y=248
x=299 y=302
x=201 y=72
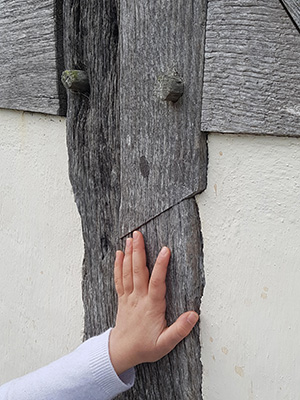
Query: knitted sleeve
x=84 y=374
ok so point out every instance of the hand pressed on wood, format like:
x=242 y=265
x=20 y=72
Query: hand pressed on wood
x=141 y=333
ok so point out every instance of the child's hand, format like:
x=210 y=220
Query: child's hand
x=141 y=333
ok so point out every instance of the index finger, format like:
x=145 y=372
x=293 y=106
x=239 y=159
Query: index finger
x=157 y=284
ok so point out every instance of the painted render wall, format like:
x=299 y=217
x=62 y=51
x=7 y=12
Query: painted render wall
x=41 y=312
x=250 y=223
x=250 y=319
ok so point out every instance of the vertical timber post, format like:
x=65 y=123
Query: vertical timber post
x=163 y=165
x=95 y=137
x=179 y=374
x=91 y=45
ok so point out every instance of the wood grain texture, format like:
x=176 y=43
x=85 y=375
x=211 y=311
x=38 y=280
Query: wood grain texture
x=293 y=8
x=93 y=137
x=91 y=44
x=252 y=75
x=179 y=374
x=163 y=156
x=31 y=58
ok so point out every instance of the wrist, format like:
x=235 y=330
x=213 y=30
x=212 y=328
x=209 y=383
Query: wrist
x=119 y=353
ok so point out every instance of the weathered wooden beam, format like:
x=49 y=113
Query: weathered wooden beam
x=91 y=45
x=93 y=137
x=179 y=374
x=31 y=56
x=252 y=75
x=293 y=8
x=163 y=156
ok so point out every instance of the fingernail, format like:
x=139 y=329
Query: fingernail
x=164 y=251
x=128 y=243
x=135 y=235
x=192 y=318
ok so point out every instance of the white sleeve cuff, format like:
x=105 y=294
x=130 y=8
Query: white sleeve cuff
x=103 y=370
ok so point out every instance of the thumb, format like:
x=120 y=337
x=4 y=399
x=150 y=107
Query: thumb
x=172 y=335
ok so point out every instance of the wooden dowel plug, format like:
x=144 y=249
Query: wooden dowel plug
x=171 y=87
x=75 y=80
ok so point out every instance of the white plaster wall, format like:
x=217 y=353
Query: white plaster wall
x=250 y=318
x=41 y=313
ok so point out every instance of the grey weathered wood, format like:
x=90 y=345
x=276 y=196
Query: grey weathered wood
x=252 y=75
x=293 y=8
x=178 y=375
x=31 y=58
x=93 y=137
x=91 y=44
x=163 y=156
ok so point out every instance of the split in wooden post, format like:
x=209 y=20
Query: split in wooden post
x=75 y=80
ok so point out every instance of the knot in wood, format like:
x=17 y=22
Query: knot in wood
x=75 y=80
x=171 y=87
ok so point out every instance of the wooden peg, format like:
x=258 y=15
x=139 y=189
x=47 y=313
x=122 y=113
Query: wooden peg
x=75 y=80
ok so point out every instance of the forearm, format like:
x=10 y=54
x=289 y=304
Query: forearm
x=86 y=373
